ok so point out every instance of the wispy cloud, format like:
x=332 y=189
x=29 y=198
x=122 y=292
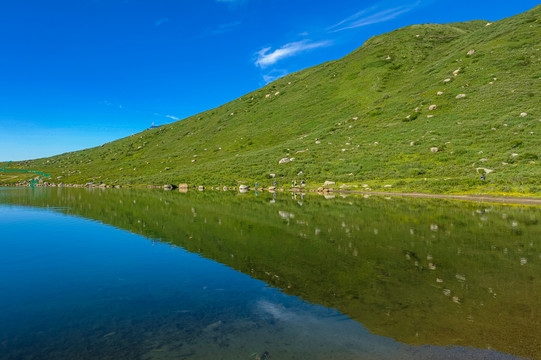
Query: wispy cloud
x=233 y=3
x=267 y=57
x=371 y=16
x=161 y=22
x=224 y=28
x=274 y=75
x=172 y=117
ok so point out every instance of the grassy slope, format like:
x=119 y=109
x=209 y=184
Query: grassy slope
x=244 y=139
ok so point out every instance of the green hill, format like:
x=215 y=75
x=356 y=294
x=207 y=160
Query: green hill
x=362 y=119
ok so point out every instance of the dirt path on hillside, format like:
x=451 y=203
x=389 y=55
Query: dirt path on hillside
x=8 y=178
x=477 y=198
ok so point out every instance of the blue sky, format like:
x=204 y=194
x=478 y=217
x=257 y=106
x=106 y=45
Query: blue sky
x=78 y=73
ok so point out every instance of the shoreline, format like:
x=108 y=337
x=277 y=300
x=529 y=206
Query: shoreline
x=474 y=198
x=500 y=199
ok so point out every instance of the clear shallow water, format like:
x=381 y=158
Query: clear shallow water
x=105 y=275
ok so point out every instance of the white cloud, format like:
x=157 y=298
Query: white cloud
x=266 y=57
x=274 y=75
x=161 y=22
x=372 y=16
x=172 y=117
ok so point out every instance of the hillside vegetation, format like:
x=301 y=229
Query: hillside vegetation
x=362 y=119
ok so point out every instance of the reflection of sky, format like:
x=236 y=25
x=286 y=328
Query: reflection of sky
x=328 y=328
x=67 y=280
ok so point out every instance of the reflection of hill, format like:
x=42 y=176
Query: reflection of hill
x=420 y=271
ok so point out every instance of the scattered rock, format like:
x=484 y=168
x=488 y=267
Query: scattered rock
x=434 y=149
x=447 y=80
x=514 y=155
x=412 y=143
x=267 y=96
x=284 y=161
x=272 y=175
x=193 y=160
x=440 y=93
x=430 y=116
x=471 y=52
x=329 y=183
x=387 y=186
x=355 y=118
x=523 y=114
x=488 y=24
x=460 y=96
x=485 y=170
x=277 y=93
x=388 y=58
x=432 y=107
x=167 y=168
x=455 y=73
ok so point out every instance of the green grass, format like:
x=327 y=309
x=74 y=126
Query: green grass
x=358 y=107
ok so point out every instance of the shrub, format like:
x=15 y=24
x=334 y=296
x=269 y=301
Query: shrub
x=416 y=171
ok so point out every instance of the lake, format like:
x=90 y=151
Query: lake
x=151 y=274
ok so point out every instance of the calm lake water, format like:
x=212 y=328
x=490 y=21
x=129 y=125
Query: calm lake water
x=127 y=274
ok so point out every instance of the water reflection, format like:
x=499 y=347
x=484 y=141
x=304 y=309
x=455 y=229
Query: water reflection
x=423 y=272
